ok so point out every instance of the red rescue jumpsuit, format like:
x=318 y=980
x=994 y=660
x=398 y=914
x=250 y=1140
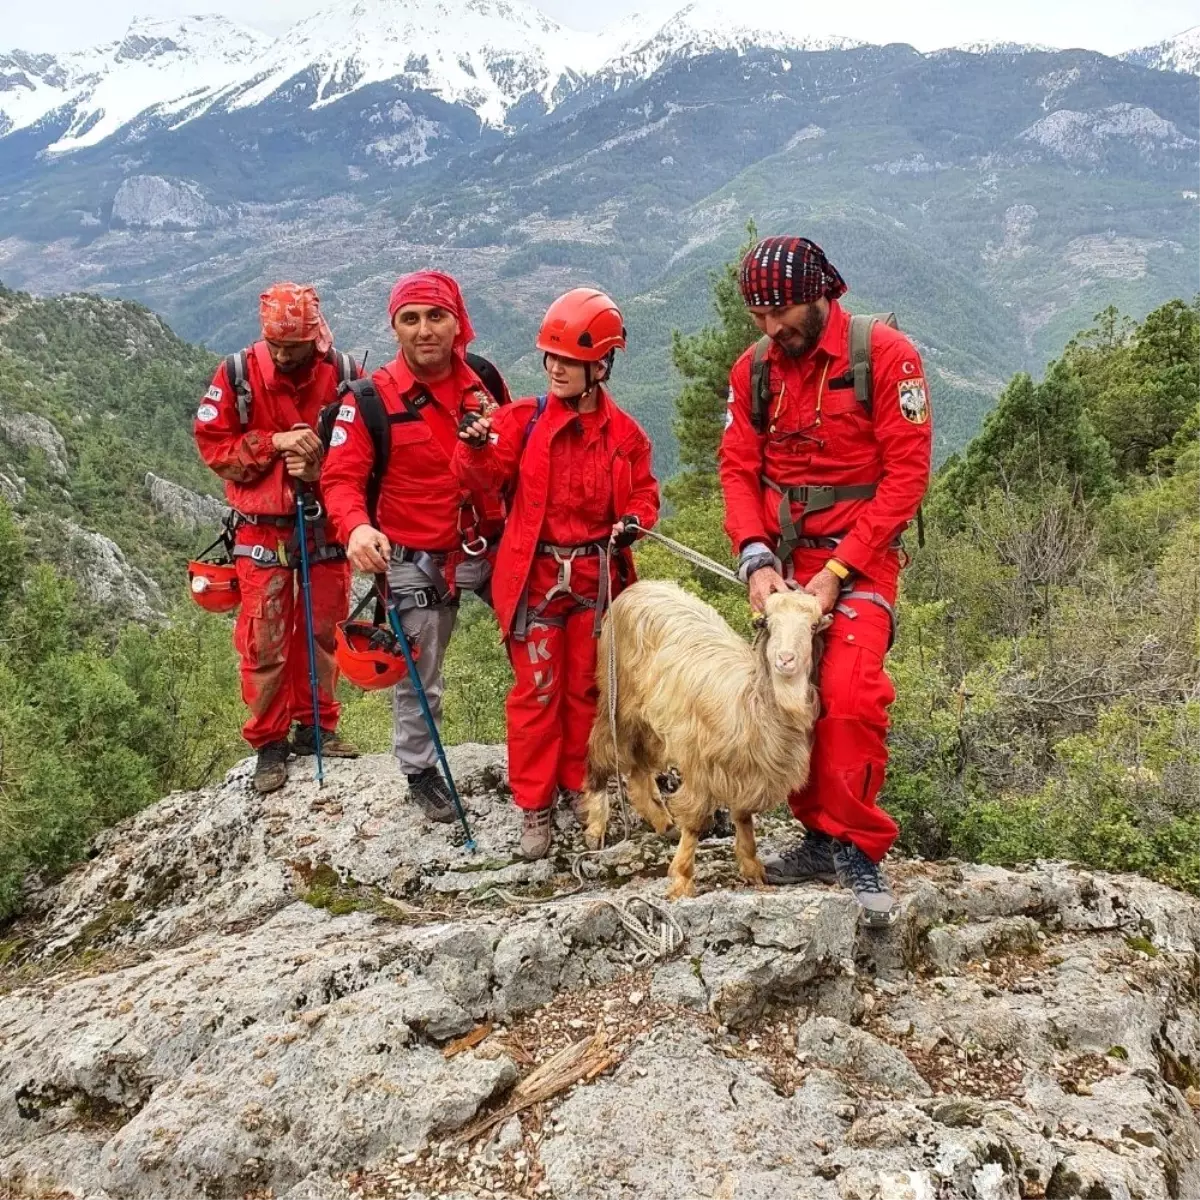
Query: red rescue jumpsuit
x=819 y=434
x=269 y=635
x=575 y=476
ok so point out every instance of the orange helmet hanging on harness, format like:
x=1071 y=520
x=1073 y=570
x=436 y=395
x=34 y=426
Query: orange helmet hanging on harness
x=213 y=582
x=214 y=586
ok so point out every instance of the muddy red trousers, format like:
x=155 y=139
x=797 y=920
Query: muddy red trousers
x=849 y=753
x=270 y=639
x=553 y=698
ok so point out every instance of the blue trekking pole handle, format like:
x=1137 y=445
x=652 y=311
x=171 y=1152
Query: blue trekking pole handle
x=302 y=497
x=389 y=605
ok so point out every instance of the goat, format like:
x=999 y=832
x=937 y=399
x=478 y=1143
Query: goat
x=736 y=719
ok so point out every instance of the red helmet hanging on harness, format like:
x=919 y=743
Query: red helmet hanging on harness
x=584 y=325
x=369 y=655
x=214 y=586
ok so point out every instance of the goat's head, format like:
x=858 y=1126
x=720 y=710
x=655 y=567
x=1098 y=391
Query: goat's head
x=789 y=625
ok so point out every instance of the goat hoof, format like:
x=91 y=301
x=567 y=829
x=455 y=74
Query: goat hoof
x=593 y=841
x=681 y=889
x=755 y=876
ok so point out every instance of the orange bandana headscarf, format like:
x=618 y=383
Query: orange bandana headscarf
x=291 y=312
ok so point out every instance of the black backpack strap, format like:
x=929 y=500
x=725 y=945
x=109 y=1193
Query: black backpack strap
x=490 y=377
x=760 y=386
x=237 y=371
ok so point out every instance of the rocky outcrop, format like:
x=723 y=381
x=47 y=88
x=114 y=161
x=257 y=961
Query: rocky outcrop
x=183 y=507
x=29 y=431
x=153 y=202
x=105 y=575
x=313 y=994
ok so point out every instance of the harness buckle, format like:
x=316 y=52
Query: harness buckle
x=475 y=547
x=313 y=509
x=258 y=553
x=421 y=598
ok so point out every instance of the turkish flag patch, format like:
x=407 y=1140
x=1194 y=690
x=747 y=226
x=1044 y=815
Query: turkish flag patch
x=914 y=400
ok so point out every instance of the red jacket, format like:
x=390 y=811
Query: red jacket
x=421 y=504
x=256 y=481
x=510 y=457
x=823 y=435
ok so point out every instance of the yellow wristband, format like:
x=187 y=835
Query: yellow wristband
x=842 y=572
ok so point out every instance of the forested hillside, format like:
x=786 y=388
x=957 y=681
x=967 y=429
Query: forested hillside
x=1046 y=665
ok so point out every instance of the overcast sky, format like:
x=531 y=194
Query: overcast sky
x=1109 y=26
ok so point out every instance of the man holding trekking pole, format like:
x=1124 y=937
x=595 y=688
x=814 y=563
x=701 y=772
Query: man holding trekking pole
x=256 y=428
x=404 y=515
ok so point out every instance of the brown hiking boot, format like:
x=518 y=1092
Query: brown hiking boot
x=536 y=829
x=304 y=742
x=578 y=803
x=270 y=771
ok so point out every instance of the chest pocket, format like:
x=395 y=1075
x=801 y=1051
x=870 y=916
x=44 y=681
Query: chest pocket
x=409 y=433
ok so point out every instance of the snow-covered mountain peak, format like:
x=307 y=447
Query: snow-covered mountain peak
x=210 y=37
x=1178 y=53
x=711 y=26
x=485 y=53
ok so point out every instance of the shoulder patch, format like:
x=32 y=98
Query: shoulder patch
x=206 y=412
x=213 y=393
x=914 y=400
x=728 y=417
x=347 y=413
x=731 y=396
x=338 y=436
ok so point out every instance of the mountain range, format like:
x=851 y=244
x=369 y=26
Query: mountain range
x=996 y=196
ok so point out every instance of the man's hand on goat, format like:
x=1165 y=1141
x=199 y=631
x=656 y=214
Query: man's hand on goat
x=763 y=582
x=824 y=585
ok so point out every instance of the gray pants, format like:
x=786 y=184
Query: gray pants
x=430 y=628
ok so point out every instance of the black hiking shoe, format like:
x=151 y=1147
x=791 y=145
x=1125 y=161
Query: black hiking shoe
x=811 y=858
x=304 y=742
x=428 y=789
x=720 y=825
x=270 y=771
x=868 y=883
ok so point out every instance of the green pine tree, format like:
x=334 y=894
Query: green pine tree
x=704 y=359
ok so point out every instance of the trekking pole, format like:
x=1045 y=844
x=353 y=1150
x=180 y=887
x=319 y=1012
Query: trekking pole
x=307 y=504
x=393 y=615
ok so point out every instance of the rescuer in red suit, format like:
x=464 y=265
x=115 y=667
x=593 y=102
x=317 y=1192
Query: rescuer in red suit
x=820 y=478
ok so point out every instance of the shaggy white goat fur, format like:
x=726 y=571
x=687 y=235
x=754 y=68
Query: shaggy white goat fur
x=736 y=719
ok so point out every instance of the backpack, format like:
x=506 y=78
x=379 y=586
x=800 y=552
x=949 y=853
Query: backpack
x=237 y=371
x=378 y=421
x=858 y=376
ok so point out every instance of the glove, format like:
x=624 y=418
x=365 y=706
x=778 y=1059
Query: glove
x=629 y=534
x=755 y=556
x=475 y=440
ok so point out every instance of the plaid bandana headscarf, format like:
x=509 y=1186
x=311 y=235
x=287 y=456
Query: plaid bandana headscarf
x=291 y=312
x=788 y=270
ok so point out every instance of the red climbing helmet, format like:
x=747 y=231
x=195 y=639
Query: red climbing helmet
x=370 y=655
x=214 y=585
x=584 y=325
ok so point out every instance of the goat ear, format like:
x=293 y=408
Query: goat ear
x=825 y=622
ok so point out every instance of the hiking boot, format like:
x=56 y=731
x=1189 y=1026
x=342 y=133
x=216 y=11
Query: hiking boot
x=332 y=746
x=868 y=883
x=811 y=858
x=536 y=827
x=428 y=789
x=270 y=771
x=578 y=805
